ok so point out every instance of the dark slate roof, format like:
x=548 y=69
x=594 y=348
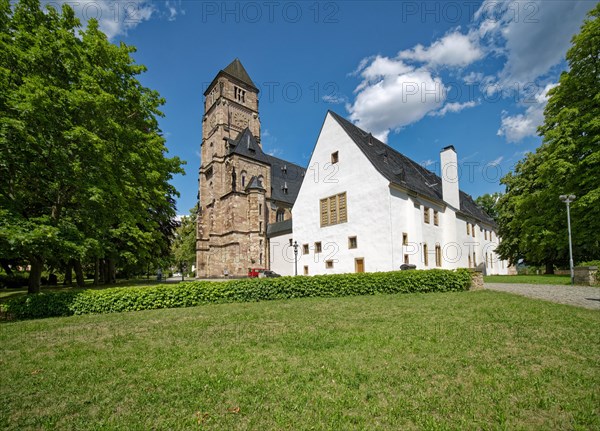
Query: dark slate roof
x=279 y=228
x=404 y=172
x=245 y=145
x=236 y=70
x=284 y=175
x=255 y=184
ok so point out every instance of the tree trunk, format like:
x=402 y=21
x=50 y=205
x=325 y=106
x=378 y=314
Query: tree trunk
x=79 y=273
x=35 y=274
x=105 y=272
x=549 y=267
x=69 y=273
x=111 y=272
x=6 y=267
x=96 y=272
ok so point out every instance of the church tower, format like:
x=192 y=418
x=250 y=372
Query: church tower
x=234 y=179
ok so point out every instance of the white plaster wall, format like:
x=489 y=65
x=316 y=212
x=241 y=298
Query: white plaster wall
x=281 y=255
x=366 y=192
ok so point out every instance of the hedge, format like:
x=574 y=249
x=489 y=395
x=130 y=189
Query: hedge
x=189 y=294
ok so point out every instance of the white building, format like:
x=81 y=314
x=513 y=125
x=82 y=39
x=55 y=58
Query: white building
x=363 y=206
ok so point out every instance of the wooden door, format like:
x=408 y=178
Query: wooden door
x=359 y=265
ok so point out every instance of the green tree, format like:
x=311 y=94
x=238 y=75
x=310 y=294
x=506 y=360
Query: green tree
x=532 y=219
x=489 y=204
x=184 y=243
x=83 y=172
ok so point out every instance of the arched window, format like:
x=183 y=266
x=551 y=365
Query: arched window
x=243 y=176
x=280 y=215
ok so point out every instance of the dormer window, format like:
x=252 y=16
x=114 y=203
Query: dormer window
x=284 y=169
x=239 y=94
x=284 y=187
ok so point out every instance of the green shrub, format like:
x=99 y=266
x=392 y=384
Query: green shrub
x=245 y=290
x=590 y=263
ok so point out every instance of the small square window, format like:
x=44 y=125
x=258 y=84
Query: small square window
x=305 y=269
x=291 y=242
x=352 y=242
x=335 y=157
x=406 y=259
x=305 y=249
x=318 y=247
x=404 y=238
x=329 y=264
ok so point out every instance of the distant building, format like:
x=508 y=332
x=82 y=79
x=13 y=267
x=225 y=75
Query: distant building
x=362 y=206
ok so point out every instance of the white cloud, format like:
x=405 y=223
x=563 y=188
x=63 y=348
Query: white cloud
x=428 y=162
x=533 y=35
x=383 y=66
x=453 y=107
x=517 y=127
x=116 y=18
x=454 y=49
x=496 y=161
x=400 y=96
x=334 y=99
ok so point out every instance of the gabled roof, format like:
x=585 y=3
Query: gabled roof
x=286 y=177
x=404 y=172
x=255 y=184
x=246 y=145
x=236 y=71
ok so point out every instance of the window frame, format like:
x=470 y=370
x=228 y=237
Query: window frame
x=333 y=207
x=318 y=247
x=335 y=157
x=350 y=242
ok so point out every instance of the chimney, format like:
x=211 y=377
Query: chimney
x=449 y=171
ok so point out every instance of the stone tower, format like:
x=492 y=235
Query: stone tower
x=234 y=179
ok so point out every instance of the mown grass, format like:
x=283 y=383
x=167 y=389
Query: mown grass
x=469 y=360
x=529 y=279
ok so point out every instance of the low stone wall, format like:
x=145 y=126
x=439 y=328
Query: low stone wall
x=476 y=280
x=587 y=275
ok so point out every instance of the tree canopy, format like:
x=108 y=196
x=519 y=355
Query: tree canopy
x=83 y=169
x=184 y=243
x=532 y=219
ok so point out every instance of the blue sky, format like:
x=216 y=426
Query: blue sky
x=420 y=75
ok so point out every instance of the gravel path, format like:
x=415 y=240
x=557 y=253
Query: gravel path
x=581 y=296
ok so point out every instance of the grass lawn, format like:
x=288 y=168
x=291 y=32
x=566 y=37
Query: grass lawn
x=469 y=360
x=528 y=279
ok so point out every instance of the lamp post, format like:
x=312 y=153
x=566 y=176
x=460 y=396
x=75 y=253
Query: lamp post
x=568 y=199
x=295 y=257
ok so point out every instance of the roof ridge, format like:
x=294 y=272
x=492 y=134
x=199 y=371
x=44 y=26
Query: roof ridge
x=393 y=150
x=373 y=151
